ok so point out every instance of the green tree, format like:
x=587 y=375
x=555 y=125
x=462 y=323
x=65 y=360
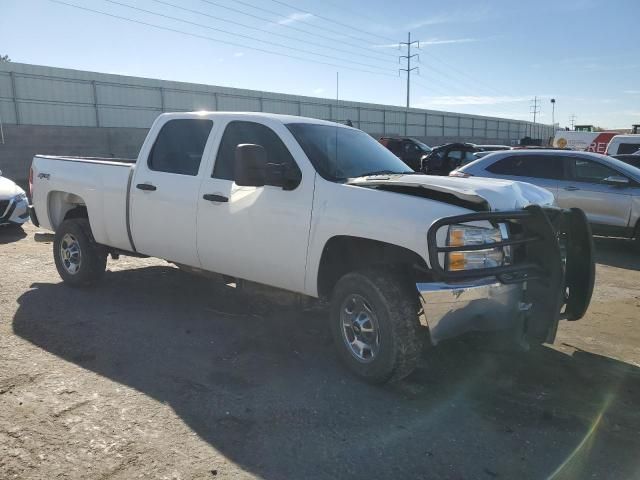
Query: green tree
x=4 y=58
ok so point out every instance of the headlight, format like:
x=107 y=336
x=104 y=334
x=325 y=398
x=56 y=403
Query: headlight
x=467 y=235
x=20 y=197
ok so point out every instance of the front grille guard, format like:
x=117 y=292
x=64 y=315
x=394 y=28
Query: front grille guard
x=552 y=245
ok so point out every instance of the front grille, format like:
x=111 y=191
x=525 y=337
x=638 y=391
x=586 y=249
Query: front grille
x=4 y=204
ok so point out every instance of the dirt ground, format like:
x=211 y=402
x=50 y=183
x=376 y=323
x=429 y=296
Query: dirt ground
x=158 y=374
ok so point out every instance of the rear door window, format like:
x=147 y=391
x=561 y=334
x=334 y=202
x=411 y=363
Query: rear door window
x=179 y=146
x=535 y=166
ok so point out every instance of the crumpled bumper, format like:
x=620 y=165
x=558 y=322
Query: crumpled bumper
x=479 y=305
x=16 y=211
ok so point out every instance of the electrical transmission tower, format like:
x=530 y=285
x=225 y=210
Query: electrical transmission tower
x=535 y=109
x=408 y=56
x=572 y=119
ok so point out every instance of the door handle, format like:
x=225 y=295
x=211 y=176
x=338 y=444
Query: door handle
x=571 y=188
x=212 y=197
x=146 y=187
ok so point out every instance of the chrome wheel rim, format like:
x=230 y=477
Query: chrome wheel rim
x=70 y=253
x=360 y=329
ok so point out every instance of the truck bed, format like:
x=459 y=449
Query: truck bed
x=99 y=184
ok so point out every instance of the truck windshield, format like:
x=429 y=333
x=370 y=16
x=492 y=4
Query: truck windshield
x=338 y=153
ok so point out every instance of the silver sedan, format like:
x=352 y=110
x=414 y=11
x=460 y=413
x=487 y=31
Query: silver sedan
x=607 y=189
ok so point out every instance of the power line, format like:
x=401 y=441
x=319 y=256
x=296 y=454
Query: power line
x=216 y=40
x=264 y=30
x=290 y=27
x=360 y=14
x=329 y=19
x=268 y=42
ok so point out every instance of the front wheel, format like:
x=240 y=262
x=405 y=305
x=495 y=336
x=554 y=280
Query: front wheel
x=79 y=259
x=374 y=323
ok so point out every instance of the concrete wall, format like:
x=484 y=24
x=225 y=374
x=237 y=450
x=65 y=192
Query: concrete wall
x=24 y=141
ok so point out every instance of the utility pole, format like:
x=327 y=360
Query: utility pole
x=553 y=112
x=337 y=84
x=408 y=57
x=572 y=119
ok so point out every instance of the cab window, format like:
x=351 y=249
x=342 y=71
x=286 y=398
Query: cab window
x=239 y=132
x=179 y=146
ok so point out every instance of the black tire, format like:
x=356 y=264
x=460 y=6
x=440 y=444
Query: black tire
x=93 y=258
x=393 y=302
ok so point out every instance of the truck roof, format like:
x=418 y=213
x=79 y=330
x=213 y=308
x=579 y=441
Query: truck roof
x=249 y=115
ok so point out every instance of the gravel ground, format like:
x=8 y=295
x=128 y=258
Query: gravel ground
x=158 y=374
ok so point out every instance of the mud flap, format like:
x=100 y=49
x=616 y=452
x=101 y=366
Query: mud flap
x=580 y=270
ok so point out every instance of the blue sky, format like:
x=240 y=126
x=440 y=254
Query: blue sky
x=483 y=57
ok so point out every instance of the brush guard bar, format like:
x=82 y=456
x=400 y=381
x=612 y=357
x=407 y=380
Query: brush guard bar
x=552 y=250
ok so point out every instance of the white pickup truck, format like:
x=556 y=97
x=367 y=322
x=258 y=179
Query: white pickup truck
x=323 y=210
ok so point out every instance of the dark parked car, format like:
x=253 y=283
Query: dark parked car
x=445 y=158
x=409 y=150
x=630 y=159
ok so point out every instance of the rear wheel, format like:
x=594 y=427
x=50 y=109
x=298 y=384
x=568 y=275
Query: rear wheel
x=374 y=323
x=80 y=261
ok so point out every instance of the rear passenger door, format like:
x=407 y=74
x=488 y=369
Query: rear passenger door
x=542 y=170
x=606 y=206
x=164 y=193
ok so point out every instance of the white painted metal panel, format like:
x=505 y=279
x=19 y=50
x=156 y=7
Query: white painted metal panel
x=33 y=113
x=5 y=85
x=7 y=111
x=416 y=119
x=367 y=115
x=53 y=90
x=238 y=104
x=315 y=110
x=278 y=106
x=127 y=117
x=189 y=101
x=128 y=96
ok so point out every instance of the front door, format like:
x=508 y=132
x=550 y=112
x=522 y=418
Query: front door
x=255 y=233
x=164 y=193
x=607 y=206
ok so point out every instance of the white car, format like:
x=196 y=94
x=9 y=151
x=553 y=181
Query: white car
x=323 y=210
x=14 y=205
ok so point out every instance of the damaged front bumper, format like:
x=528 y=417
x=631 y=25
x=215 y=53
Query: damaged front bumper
x=551 y=277
x=479 y=305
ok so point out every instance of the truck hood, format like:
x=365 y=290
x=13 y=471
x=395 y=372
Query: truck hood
x=8 y=189
x=476 y=192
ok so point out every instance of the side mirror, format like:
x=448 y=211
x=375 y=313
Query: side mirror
x=617 y=180
x=283 y=175
x=250 y=165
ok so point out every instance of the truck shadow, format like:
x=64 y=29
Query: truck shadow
x=262 y=386
x=618 y=252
